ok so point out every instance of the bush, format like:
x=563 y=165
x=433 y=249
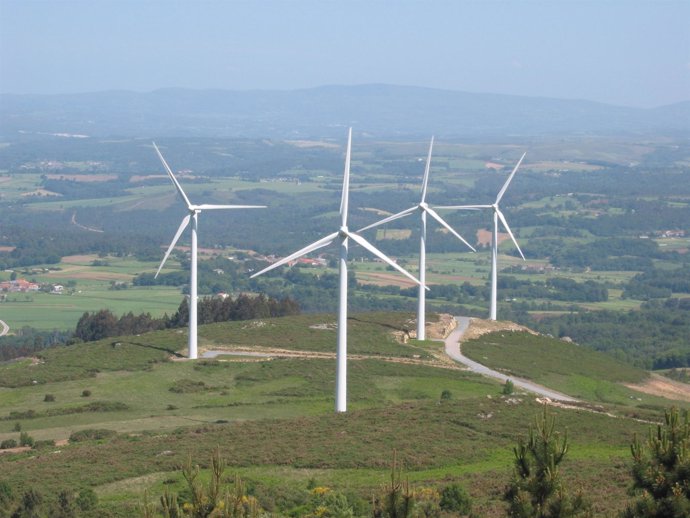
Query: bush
x=26 y=440
x=8 y=443
x=188 y=386
x=661 y=470
x=86 y=393
x=49 y=398
x=47 y=443
x=87 y=499
x=91 y=434
x=455 y=499
x=508 y=388
x=17 y=427
x=446 y=395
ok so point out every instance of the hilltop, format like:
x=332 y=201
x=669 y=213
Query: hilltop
x=273 y=418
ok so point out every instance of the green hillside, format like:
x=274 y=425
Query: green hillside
x=273 y=418
x=566 y=367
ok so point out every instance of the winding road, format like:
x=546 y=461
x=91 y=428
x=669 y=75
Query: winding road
x=453 y=350
x=5 y=328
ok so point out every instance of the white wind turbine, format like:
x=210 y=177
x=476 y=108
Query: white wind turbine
x=343 y=235
x=494 y=238
x=423 y=209
x=193 y=215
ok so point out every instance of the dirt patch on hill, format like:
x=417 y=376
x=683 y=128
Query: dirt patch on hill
x=484 y=237
x=83 y=177
x=494 y=166
x=18 y=449
x=479 y=327
x=442 y=328
x=79 y=259
x=384 y=279
x=658 y=385
x=41 y=192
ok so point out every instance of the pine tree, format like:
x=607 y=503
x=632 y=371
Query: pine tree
x=537 y=490
x=661 y=470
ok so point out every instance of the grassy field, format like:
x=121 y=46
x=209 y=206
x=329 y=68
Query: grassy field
x=574 y=370
x=274 y=422
x=91 y=291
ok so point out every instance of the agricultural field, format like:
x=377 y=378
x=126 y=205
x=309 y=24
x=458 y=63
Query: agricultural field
x=90 y=283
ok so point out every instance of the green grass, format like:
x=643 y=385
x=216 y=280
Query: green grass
x=468 y=441
x=368 y=333
x=49 y=311
x=278 y=427
x=569 y=368
x=92 y=292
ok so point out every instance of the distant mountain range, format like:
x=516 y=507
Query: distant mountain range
x=381 y=111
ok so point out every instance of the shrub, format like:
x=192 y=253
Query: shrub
x=87 y=499
x=446 y=395
x=188 y=386
x=537 y=490
x=455 y=499
x=49 y=398
x=26 y=440
x=91 y=434
x=661 y=470
x=508 y=388
x=47 y=443
x=86 y=393
x=8 y=443
x=17 y=427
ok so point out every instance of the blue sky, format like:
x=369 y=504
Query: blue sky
x=626 y=52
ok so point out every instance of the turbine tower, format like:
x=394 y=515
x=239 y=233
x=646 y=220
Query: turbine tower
x=193 y=215
x=423 y=209
x=343 y=235
x=494 y=238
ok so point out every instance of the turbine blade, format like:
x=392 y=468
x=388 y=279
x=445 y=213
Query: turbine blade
x=438 y=218
x=172 y=176
x=399 y=215
x=346 y=181
x=365 y=244
x=505 y=225
x=505 y=185
x=309 y=248
x=206 y=206
x=183 y=225
x=426 y=171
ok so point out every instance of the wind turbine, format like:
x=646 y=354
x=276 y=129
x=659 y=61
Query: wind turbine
x=343 y=235
x=423 y=208
x=193 y=215
x=494 y=238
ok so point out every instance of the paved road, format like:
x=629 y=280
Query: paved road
x=5 y=328
x=453 y=350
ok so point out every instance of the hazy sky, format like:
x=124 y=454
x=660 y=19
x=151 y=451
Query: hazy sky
x=626 y=52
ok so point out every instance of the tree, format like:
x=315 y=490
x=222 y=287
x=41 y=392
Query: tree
x=455 y=499
x=207 y=501
x=397 y=500
x=536 y=490
x=661 y=470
